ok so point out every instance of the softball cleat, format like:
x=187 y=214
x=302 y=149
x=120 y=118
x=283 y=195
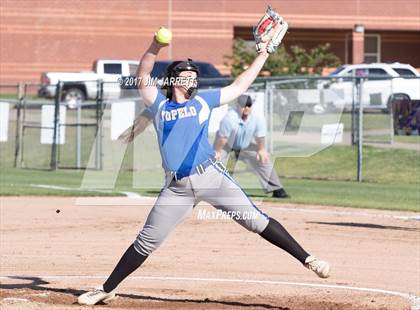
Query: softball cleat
x=95 y=296
x=321 y=268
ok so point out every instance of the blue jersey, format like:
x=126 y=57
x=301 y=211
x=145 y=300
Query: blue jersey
x=182 y=129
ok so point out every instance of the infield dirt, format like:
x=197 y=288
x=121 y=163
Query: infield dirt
x=49 y=258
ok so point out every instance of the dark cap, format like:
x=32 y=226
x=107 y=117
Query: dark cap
x=178 y=66
x=244 y=100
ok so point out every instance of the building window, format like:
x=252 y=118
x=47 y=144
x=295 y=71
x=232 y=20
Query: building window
x=372 y=48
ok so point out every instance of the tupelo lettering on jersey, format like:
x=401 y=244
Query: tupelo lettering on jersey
x=178 y=113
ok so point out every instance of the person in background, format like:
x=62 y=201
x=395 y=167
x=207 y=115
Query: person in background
x=242 y=133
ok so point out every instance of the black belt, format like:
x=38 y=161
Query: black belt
x=236 y=153
x=250 y=147
x=199 y=169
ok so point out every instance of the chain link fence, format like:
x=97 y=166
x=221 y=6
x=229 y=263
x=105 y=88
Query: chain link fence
x=304 y=116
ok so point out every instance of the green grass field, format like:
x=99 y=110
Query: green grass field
x=391 y=177
x=391 y=196
x=392 y=180
x=407 y=139
x=339 y=163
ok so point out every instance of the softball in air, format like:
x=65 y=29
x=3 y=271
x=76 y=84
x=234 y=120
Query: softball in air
x=164 y=36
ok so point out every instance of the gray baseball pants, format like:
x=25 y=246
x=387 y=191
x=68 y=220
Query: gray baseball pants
x=178 y=197
x=266 y=173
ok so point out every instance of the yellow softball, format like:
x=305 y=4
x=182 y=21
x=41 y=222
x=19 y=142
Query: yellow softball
x=164 y=35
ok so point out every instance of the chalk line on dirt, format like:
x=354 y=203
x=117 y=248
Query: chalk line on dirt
x=63 y=188
x=412 y=298
x=14 y=299
x=132 y=195
x=148 y=201
x=351 y=213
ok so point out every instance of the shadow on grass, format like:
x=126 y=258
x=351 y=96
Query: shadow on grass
x=35 y=283
x=153 y=192
x=366 y=225
x=250 y=192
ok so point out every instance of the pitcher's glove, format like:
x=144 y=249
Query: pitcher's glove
x=271 y=28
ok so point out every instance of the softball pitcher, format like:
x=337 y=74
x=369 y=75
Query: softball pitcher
x=181 y=120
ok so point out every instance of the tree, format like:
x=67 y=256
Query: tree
x=297 y=61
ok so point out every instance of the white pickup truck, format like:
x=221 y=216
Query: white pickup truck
x=381 y=83
x=81 y=86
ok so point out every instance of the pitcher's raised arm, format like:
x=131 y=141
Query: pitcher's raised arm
x=147 y=88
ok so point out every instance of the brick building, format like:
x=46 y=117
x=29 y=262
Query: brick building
x=59 y=35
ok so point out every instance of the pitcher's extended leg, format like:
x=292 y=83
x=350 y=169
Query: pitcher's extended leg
x=278 y=235
x=225 y=194
x=169 y=210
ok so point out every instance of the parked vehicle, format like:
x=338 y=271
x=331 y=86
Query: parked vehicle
x=81 y=86
x=210 y=77
x=382 y=82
